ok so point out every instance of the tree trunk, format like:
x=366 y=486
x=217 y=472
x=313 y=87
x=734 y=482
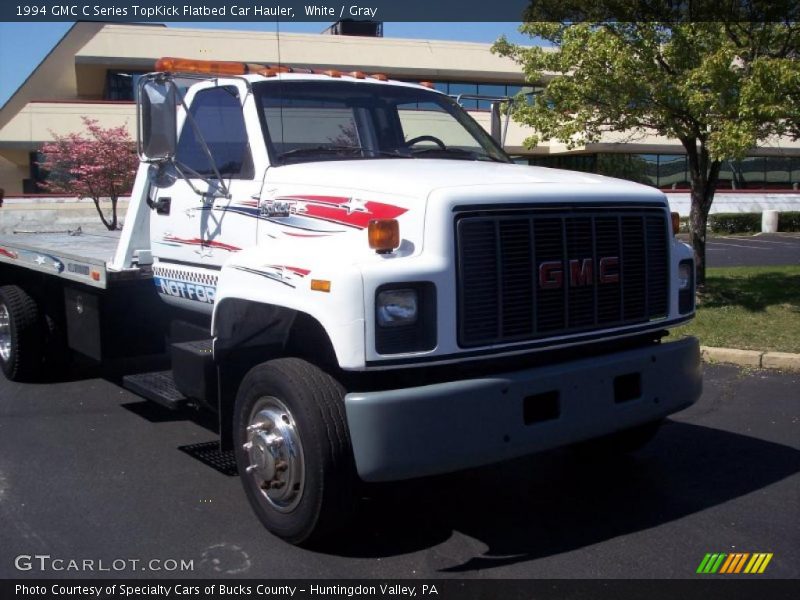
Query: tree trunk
x=698 y=220
x=109 y=226
x=114 y=222
x=704 y=174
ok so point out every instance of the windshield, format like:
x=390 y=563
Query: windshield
x=336 y=120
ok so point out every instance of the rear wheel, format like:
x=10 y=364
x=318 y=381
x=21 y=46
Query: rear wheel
x=293 y=450
x=21 y=334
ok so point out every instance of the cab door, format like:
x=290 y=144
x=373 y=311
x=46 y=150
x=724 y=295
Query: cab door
x=195 y=227
x=193 y=223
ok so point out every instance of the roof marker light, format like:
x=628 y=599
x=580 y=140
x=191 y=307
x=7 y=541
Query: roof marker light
x=187 y=65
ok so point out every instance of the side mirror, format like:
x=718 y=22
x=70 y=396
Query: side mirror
x=157 y=119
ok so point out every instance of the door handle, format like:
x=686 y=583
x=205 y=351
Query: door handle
x=163 y=205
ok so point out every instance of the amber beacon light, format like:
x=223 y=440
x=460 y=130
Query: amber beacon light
x=676 y=223
x=384 y=235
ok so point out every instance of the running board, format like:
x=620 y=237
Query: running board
x=158 y=386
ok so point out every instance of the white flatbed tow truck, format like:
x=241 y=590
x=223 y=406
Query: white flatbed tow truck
x=363 y=286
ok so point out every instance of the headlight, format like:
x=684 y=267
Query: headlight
x=396 y=308
x=405 y=317
x=684 y=275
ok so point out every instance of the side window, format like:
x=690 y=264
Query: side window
x=218 y=114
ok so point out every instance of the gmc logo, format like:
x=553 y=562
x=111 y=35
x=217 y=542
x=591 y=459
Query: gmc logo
x=580 y=270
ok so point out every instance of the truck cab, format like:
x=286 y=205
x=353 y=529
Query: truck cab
x=376 y=292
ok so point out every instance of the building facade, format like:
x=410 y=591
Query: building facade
x=93 y=71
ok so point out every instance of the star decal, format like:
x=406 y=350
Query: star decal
x=355 y=205
x=40 y=260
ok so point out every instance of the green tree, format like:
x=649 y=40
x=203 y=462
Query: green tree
x=719 y=87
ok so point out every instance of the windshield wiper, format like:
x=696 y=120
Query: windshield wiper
x=340 y=150
x=458 y=152
x=319 y=150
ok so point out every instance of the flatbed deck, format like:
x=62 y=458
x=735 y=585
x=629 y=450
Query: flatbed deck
x=77 y=256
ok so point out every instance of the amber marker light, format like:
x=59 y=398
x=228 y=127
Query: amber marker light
x=321 y=285
x=676 y=223
x=384 y=235
x=185 y=65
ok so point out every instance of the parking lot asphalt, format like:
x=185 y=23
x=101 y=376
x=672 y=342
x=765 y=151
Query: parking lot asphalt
x=765 y=249
x=89 y=471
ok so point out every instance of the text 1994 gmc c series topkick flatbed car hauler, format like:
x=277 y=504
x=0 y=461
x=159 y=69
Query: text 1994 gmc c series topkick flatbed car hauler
x=363 y=286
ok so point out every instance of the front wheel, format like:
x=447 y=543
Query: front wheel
x=293 y=449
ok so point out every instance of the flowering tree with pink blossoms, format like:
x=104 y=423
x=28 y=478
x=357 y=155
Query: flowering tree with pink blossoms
x=100 y=165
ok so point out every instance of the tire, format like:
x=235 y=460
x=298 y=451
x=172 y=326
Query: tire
x=620 y=443
x=305 y=489
x=21 y=335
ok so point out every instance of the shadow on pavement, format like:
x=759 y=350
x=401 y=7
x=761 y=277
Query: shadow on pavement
x=556 y=502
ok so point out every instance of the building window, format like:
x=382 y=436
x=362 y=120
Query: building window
x=471 y=88
x=37 y=175
x=671 y=171
x=122 y=85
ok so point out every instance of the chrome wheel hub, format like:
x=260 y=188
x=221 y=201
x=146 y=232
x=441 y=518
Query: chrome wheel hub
x=275 y=454
x=5 y=333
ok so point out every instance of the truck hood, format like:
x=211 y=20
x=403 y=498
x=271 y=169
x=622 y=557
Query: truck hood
x=419 y=177
x=339 y=198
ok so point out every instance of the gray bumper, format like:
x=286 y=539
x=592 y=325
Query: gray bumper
x=440 y=428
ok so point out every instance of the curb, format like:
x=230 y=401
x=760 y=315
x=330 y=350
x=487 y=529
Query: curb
x=785 y=361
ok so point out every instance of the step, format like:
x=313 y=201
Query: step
x=158 y=386
x=194 y=370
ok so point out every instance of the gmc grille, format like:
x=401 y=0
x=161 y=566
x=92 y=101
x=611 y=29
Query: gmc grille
x=535 y=273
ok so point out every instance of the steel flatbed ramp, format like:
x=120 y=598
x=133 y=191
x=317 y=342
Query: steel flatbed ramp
x=76 y=256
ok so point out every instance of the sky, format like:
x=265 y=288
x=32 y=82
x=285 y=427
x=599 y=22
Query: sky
x=24 y=45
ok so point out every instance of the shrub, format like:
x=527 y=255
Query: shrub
x=789 y=221
x=734 y=222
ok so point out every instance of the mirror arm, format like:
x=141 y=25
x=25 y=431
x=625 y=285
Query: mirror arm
x=180 y=169
x=221 y=183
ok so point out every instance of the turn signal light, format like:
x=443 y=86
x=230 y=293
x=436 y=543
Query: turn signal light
x=321 y=285
x=384 y=235
x=676 y=223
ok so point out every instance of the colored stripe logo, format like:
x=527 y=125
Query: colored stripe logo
x=739 y=562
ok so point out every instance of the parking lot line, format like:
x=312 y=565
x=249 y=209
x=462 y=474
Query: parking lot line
x=711 y=244
x=758 y=241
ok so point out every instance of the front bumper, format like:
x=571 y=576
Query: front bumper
x=445 y=427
